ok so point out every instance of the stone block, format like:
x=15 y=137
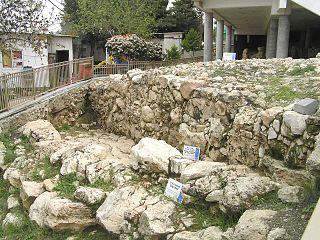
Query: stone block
x=306 y=106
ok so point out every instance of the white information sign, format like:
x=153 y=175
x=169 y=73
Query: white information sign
x=192 y=153
x=229 y=56
x=174 y=190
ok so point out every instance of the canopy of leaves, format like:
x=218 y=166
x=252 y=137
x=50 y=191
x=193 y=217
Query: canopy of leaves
x=22 y=22
x=104 y=18
x=192 y=41
x=182 y=17
x=133 y=47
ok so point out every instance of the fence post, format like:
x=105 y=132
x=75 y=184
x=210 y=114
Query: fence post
x=34 y=83
x=92 y=67
x=6 y=94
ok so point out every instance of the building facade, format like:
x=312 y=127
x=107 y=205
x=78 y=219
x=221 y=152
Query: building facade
x=282 y=27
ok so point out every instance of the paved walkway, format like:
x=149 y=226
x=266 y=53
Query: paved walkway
x=41 y=99
x=312 y=231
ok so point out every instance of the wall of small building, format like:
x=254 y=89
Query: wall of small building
x=29 y=59
x=60 y=43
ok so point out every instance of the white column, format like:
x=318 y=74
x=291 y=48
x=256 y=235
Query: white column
x=219 y=40
x=283 y=36
x=271 y=50
x=208 y=37
x=228 y=39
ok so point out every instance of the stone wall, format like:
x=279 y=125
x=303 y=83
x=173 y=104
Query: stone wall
x=226 y=121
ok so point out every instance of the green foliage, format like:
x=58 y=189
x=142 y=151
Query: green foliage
x=298 y=71
x=66 y=186
x=192 y=41
x=26 y=143
x=271 y=201
x=173 y=53
x=10 y=148
x=183 y=16
x=45 y=169
x=159 y=9
x=104 y=185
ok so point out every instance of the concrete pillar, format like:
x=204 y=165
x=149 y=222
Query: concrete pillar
x=208 y=37
x=283 y=36
x=271 y=50
x=219 y=39
x=228 y=39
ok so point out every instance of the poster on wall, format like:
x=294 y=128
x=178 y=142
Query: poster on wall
x=17 y=59
x=6 y=59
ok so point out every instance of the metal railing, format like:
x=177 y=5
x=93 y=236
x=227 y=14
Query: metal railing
x=18 y=88
x=143 y=65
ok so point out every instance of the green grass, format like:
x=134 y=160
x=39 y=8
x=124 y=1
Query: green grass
x=10 y=155
x=203 y=218
x=47 y=168
x=66 y=186
x=298 y=71
x=104 y=185
x=271 y=201
x=26 y=143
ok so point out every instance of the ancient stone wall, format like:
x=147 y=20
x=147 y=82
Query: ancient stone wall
x=224 y=120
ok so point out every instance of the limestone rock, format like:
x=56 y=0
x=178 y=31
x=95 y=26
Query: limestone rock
x=14 y=177
x=306 y=106
x=253 y=224
x=313 y=161
x=153 y=155
x=147 y=114
x=2 y=155
x=156 y=219
x=200 y=169
x=89 y=195
x=210 y=233
x=191 y=138
x=278 y=234
x=295 y=122
x=30 y=191
x=12 y=202
x=111 y=213
x=215 y=196
x=240 y=192
x=291 y=194
x=60 y=214
x=187 y=88
x=178 y=163
x=40 y=130
x=11 y=220
x=269 y=115
x=76 y=161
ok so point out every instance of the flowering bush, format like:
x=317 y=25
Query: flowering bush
x=134 y=48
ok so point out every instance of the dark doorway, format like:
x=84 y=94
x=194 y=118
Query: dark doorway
x=62 y=56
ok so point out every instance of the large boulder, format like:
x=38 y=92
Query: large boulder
x=14 y=176
x=156 y=220
x=89 y=195
x=76 y=160
x=111 y=213
x=60 y=214
x=153 y=155
x=253 y=224
x=295 y=122
x=12 y=220
x=210 y=233
x=40 y=130
x=240 y=192
x=30 y=191
x=200 y=169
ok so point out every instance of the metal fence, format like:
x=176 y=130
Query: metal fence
x=143 y=65
x=17 y=88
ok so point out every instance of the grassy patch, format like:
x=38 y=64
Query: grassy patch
x=66 y=186
x=44 y=170
x=271 y=201
x=104 y=185
x=203 y=218
x=10 y=148
x=298 y=71
x=26 y=143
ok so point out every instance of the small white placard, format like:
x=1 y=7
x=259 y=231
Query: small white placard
x=229 y=56
x=192 y=153
x=174 y=190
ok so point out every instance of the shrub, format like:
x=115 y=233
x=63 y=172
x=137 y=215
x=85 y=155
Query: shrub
x=173 y=53
x=192 y=41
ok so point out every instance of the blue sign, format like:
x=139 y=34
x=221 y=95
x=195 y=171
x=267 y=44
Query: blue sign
x=192 y=153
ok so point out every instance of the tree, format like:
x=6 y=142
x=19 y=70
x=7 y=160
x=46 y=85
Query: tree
x=192 y=41
x=159 y=9
x=173 y=53
x=22 y=22
x=183 y=16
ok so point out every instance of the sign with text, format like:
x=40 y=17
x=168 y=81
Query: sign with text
x=192 y=153
x=229 y=56
x=174 y=190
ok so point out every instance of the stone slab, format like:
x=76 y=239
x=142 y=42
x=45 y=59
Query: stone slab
x=306 y=106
